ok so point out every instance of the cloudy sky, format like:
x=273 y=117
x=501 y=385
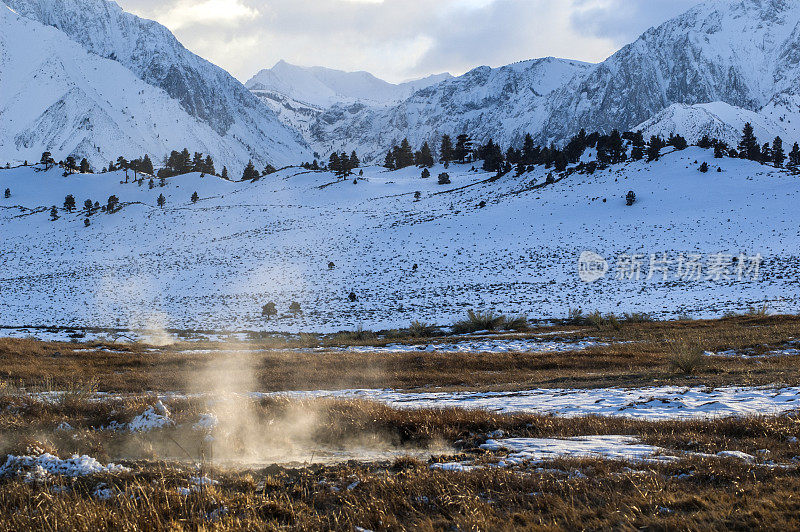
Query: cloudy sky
x=402 y=39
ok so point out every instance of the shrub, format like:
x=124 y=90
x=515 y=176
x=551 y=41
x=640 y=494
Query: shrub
x=444 y=179
x=359 y=335
x=519 y=324
x=575 y=317
x=637 y=317
x=686 y=357
x=420 y=329
x=479 y=321
x=704 y=167
x=630 y=199
x=598 y=320
x=758 y=312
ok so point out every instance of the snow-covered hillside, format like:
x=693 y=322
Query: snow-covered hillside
x=715 y=120
x=213 y=264
x=180 y=99
x=742 y=53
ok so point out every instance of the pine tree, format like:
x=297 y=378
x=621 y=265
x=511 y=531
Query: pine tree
x=198 y=163
x=195 y=197
x=224 y=174
x=778 y=155
x=463 y=149
x=720 y=149
x=638 y=146
x=404 y=155
x=7 y=193
x=151 y=184
x=53 y=213
x=47 y=160
x=528 y=147
x=334 y=163
x=426 y=156
x=426 y=173
x=185 y=162
x=355 y=162
x=85 y=168
x=794 y=156
x=147 y=165
x=161 y=200
x=87 y=206
x=388 y=162
x=112 y=204
x=208 y=166
x=69 y=203
x=250 y=172
x=766 y=153
x=654 y=148
x=492 y=157
x=616 y=148
x=446 y=150
x=705 y=142
x=748 y=147
x=71 y=164
x=677 y=142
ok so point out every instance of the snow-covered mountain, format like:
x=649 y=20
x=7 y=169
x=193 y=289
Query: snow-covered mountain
x=743 y=53
x=324 y=87
x=502 y=103
x=110 y=83
x=299 y=96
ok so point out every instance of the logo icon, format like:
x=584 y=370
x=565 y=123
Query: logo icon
x=592 y=267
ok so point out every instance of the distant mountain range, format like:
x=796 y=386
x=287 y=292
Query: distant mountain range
x=83 y=77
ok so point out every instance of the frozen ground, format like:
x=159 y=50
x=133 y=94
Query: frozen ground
x=213 y=264
x=655 y=404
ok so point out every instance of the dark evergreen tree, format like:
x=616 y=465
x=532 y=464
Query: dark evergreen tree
x=389 y=161
x=528 y=147
x=208 y=166
x=720 y=149
x=705 y=142
x=70 y=164
x=426 y=156
x=198 y=163
x=766 y=153
x=151 y=184
x=69 y=203
x=637 y=146
x=53 y=213
x=47 y=160
x=492 y=156
x=85 y=168
x=185 y=162
x=87 y=207
x=794 y=156
x=704 y=167
x=269 y=169
x=112 y=204
x=677 y=142
x=161 y=200
x=426 y=173
x=334 y=163
x=654 y=148
x=355 y=162
x=463 y=150
x=250 y=173
x=224 y=174
x=616 y=148
x=195 y=197
x=403 y=155
x=748 y=146
x=778 y=155
x=444 y=179
x=446 y=150
x=7 y=193
x=147 y=165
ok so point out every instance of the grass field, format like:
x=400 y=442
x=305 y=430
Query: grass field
x=197 y=451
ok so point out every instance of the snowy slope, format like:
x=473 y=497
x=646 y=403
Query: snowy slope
x=716 y=120
x=215 y=263
x=244 y=127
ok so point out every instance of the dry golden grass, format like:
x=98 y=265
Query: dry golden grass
x=640 y=354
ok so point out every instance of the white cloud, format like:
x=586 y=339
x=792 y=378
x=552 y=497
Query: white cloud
x=400 y=39
x=187 y=13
